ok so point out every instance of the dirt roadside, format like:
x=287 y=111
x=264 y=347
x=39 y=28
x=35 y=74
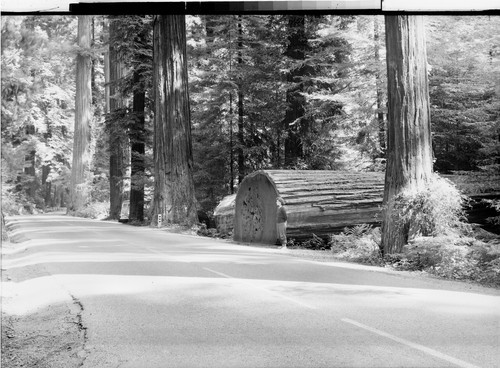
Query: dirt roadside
x=51 y=336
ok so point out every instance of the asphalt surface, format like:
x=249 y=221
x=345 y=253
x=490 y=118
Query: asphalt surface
x=150 y=298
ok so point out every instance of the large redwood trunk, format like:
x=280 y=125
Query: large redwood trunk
x=174 y=197
x=115 y=139
x=81 y=142
x=409 y=147
x=137 y=155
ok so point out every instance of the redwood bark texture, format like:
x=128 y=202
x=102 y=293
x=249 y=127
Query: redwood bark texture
x=174 y=197
x=137 y=155
x=116 y=144
x=83 y=115
x=409 y=147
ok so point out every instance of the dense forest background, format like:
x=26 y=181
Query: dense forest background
x=282 y=91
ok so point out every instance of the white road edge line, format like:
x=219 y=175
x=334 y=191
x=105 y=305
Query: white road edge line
x=262 y=288
x=434 y=353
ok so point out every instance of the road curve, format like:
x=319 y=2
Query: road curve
x=151 y=298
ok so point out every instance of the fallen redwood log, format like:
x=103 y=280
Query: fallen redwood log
x=318 y=202
x=224 y=215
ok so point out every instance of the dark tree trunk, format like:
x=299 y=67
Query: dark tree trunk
x=241 y=139
x=81 y=142
x=47 y=186
x=116 y=159
x=294 y=122
x=56 y=196
x=138 y=151
x=30 y=172
x=231 y=144
x=409 y=148
x=174 y=196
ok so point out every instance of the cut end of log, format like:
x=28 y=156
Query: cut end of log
x=255 y=210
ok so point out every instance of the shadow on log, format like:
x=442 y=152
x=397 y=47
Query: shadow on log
x=317 y=202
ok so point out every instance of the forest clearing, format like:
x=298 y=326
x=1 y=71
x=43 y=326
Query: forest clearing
x=169 y=114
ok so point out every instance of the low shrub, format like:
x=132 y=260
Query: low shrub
x=360 y=243
x=315 y=243
x=202 y=230
x=438 y=209
x=451 y=257
x=94 y=210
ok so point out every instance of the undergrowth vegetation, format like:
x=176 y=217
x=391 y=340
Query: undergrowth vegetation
x=360 y=243
x=471 y=257
x=94 y=210
x=459 y=258
x=435 y=210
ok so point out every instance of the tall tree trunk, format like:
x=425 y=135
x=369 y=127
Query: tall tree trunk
x=138 y=151
x=241 y=139
x=294 y=121
x=231 y=144
x=81 y=143
x=29 y=165
x=174 y=196
x=380 y=93
x=116 y=159
x=409 y=147
x=93 y=72
x=46 y=186
x=30 y=172
x=105 y=31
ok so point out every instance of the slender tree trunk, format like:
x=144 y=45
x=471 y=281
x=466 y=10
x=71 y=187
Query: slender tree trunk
x=409 y=148
x=93 y=61
x=116 y=159
x=47 y=186
x=294 y=121
x=174 y=196
x=81 y=143
x=380 y=93
x=29 y=166
x=241 y=139
x=56 y=200
x=30 y=172
x=231 y=144
x=105 y=30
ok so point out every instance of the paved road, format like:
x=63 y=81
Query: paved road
x=155 y=299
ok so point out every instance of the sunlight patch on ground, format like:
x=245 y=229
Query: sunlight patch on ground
x=31 y=244
x=100 y=257
x=28 y=296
